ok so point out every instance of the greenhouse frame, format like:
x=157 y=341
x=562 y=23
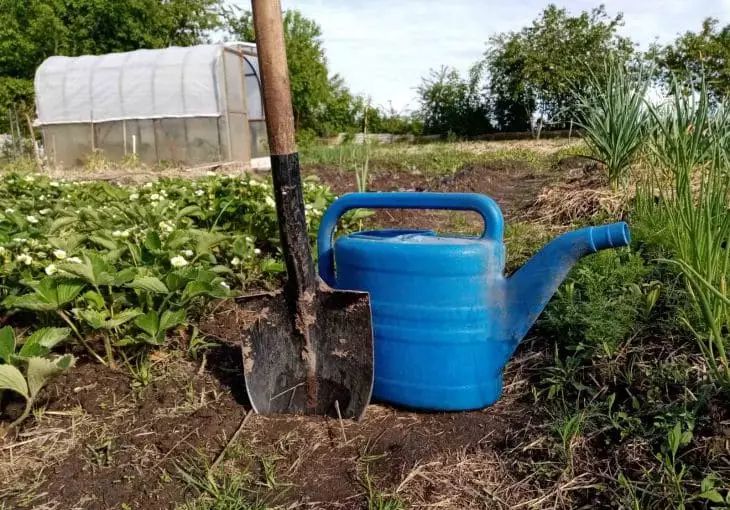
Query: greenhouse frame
x=192 y=106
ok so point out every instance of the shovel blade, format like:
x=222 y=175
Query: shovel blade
x=274 y=360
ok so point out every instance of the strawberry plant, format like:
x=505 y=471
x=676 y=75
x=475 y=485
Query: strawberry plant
x=26 y=365
x=119 y=267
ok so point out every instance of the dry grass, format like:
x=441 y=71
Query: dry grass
x=580 y=198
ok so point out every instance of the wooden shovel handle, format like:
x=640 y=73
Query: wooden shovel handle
x=274 y=76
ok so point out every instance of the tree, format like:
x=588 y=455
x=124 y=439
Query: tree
x=696 y=55
x=321 y=103
x=450 y=103
x=389 y=120
x=33 y=30
x=539 y=69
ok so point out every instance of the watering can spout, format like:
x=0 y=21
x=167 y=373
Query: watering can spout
x=531 y=287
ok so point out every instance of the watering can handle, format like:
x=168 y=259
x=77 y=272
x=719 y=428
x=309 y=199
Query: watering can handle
x=482 y=204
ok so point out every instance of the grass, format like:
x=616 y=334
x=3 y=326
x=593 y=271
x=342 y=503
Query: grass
x=438 y=158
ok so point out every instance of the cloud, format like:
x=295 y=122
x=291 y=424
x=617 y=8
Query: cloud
x=383 y=47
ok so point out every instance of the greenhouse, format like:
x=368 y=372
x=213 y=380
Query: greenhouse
x=192 y=106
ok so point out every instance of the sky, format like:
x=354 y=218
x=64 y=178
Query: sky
x=382 y=48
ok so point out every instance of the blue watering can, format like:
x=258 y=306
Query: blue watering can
x=445 y=317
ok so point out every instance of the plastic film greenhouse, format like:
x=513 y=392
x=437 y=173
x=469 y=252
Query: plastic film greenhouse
x=192 y=106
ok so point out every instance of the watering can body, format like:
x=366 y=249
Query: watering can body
x=445 y=318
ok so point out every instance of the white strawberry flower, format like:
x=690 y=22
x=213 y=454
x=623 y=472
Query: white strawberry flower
x=117 y=233
x=51 y=269
x=257 y=251
x=235 y=261
x=59 y=254
x=199 y=192
x=188 y=253
x=225 y=285
x=74 y=260
x=31 y=219
x=9 y=210
x=178 y=261
x=43 y=212
x=24 y=258
x=154 y=196
x=134 y=196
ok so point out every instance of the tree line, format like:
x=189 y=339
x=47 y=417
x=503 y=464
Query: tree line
x=525 y=77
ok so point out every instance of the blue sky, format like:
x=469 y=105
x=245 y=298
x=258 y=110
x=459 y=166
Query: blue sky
x=383 y=47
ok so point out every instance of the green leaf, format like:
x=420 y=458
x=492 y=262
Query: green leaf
x=12 y=379
x=152 y=241
x=66 y=291
x=149 y=323
x=68 y=242
x=192 y=211
x=175 y=281
x=712 y=495
x=177 y=239
x=93 y=269
x=149 y=284
x=41 y=370
x=122 y=317
x=125 y=276
x=61 y=222
x=206 y=241
x=65 y=362
x=194 y=289
x=7 y=343
x=171 y=319
x=94 y=298
x=49 y=337
x=104 y=241
x=94 y=318
x=28 y=302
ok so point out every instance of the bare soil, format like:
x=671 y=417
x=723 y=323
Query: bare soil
x=99 y=442
x=514 y=185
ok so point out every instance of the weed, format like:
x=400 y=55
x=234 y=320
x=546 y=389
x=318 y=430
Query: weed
x=568 y=430
x=220 y=492
x=376 y=499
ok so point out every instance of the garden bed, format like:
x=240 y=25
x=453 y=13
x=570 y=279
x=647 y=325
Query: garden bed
x=590 y=399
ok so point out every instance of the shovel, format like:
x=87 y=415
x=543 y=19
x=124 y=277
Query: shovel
x=311 y=349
